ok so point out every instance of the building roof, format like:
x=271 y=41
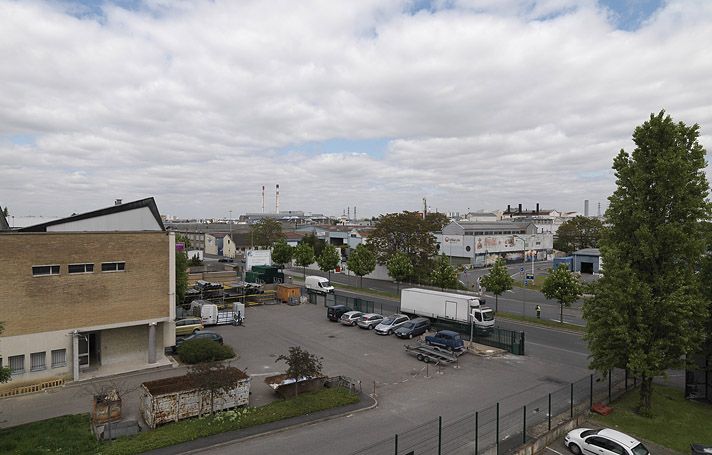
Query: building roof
x=149 y=203
x=588 y=252
x=493 y=226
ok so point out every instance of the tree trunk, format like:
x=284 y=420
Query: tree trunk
x=561 y=304
x=304 y=270
x=398 y=287
x=496 y=303
x=361 y=281
x=646 y=396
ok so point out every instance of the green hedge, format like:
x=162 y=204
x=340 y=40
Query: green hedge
x=198 y=351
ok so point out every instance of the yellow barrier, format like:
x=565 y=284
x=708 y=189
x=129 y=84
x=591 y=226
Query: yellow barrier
x=32 y=388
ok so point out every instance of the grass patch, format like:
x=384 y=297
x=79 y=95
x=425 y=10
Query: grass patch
x=62 y=435
x=538 y=283
x=676 y=423
x=542 y=322
x=71 y=434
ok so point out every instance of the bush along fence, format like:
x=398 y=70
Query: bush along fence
x=493 y=431
x=508 y=340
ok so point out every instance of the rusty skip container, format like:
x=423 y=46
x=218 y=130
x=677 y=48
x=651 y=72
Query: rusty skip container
x=172 y=399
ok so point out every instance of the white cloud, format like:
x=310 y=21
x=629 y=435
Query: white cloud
x=485 y=103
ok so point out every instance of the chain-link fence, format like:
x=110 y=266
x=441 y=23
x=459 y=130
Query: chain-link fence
x=489 y=430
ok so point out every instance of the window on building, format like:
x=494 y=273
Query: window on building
x=59 y=358
x=37 y=361
x=45 y=270
x=113 y=266
x=16 y=364
x=80 y=268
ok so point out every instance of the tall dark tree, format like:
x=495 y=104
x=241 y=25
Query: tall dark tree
x=362 y=261
x=408 y=233
x=577 y=233
x=497 y=281
x=265 y=232
x=648 y=311
x=435 y=221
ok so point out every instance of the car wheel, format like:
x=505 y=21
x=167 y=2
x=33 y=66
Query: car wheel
x=389 y=332
x=195 y=331
x=370 y=327
x=428 y=342
x=575 y=449
x=410 y=335
x=420 y=357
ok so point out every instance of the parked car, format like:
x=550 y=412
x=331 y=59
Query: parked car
x=391 y=323
x=413 y=328
x=603 y=441
x=216 y=337
x=350 y=318
x=369 y=320
x=188 y=326
x=446 y=339
x=334 y=312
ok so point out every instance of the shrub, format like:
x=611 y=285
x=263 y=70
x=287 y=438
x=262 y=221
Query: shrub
x=197 y=351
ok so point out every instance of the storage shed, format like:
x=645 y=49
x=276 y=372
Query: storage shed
x=172 y=399
x=588 y=260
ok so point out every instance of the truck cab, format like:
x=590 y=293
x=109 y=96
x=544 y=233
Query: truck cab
x=446 y=339
x=483 y=318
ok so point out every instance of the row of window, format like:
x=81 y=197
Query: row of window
x=38 y=361
x=493 y=232
x=47 y=270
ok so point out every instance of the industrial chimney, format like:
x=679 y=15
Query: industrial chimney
x=585 y=208
x=263 y=199
x=277 y=200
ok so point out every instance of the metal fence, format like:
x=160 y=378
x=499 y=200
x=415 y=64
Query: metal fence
x=491 y=431
x=508 y=340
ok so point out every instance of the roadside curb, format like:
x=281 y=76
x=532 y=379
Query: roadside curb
x=233 y=437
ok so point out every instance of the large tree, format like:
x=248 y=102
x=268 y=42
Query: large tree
x=577 y=233
x=562 y=285
x=399 y=268
x=304 y=256
x=443 y=275
x=282 y=253
x=648 y=312
x=301 y=364
x=362 y=261
x=497 y=281
x=329 y=258
x=265 y=232
x=407 y=233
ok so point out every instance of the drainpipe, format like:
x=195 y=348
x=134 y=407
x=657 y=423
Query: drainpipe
x=152 y=342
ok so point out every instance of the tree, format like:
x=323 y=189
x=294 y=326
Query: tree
x=577 y=233
x=282 y=253
x=304 y=255
x=406 y=233
x=5 y=373
x=316 y=243
x=443 y=275
x=648 y=312
x=214 y=378
x=265 y=232
x=435 y=221
x=399 y=268
x=497 y=281
x=181 y=262
x=6 y=212
x=195 y=261
x=329 y=259
x=362 y=261
x=563 y=286
x=301 y=364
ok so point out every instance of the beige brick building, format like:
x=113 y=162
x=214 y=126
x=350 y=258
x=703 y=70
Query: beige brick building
x=88 y=295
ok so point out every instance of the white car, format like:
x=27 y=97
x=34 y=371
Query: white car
x=603 y=442
x=350 y=318
x=391 y=323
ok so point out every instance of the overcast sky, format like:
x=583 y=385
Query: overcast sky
x=469 y=103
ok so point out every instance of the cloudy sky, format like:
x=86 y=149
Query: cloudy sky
x=371 y=103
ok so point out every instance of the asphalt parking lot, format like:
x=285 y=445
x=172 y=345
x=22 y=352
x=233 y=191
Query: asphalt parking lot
x=409 y=392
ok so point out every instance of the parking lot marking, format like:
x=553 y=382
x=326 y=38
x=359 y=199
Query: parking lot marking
x=555 y=451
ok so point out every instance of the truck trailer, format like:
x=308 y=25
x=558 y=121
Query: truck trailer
x=447 y=306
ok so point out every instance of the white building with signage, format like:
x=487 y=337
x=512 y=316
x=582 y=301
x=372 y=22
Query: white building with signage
x=480 y=244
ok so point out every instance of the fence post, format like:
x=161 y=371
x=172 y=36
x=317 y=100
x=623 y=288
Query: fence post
x=549 y=412
x=396 y=444
x=590 y=392
x=477 y=418
x=572 y=400
x=521 y=340
x=524 y=426
x=496 y=432
x=440 y=435
x=609 y=386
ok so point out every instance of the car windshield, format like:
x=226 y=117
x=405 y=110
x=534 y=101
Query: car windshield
x=488 y=316
x=589 y=433
x=640 y=449
x=408 y=325
x=387 y=321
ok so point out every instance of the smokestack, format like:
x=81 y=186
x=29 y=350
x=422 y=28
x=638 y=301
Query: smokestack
x=520 y=208
x=585 y=207
x=425 y=208
x=277 y=200
x=509 y=209
x=599 y=209
x=348 y=213
x=263 y=199
x=537 y=208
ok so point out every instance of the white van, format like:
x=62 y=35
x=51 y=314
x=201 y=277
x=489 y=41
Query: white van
x=318 y=284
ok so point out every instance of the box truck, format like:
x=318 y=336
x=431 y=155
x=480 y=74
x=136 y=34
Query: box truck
x=446 y=305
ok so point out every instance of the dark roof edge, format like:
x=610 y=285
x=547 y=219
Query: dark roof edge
x=4 y=226
x=148 y=202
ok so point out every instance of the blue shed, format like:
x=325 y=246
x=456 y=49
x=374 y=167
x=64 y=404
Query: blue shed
x=568 y=261
x=587 y=260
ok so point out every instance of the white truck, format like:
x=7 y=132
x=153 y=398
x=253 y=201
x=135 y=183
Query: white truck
x=447 y=305
x=318 y=284
x=211 y=315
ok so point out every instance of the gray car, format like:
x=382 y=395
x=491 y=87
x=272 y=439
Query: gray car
x=369 y=320
x=350 y=318
x=391 y=323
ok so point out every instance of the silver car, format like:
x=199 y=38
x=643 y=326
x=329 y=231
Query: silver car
x=391 y=323
x=350 y=318
x=369 y=320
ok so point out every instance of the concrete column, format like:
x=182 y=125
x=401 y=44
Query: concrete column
x=75 y=355
x=152 y=342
